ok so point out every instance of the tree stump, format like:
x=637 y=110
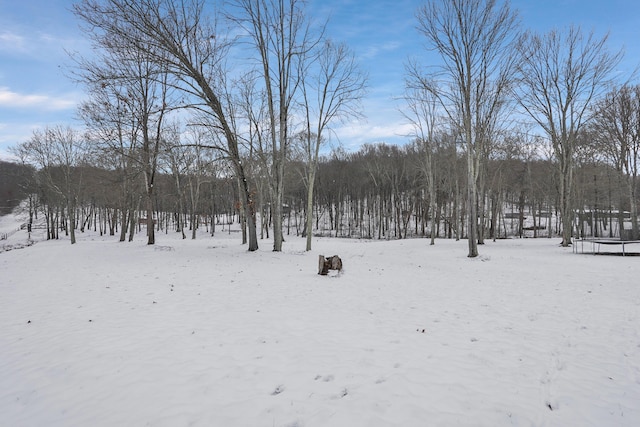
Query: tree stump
x=330 y=263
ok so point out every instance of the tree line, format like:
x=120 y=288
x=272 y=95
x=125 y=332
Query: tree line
x=199 y=110
x=380 y=191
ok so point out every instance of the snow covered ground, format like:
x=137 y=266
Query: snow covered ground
x=203 y=333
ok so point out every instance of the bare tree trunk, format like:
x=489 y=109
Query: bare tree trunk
x=124 y=225
x=72 y=223
x=633 y=208
x=277 y=195
x=472 y=208
x=151 y=234
x=434 y=212
x=309 y=213
x=249 y=208
x=566 y=204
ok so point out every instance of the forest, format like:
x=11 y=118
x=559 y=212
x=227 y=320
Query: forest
x=378 y=192
x=515 y=134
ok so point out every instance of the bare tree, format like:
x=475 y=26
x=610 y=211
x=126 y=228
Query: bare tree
x=187 y=42
x=130 y=69
x=58 y=152
x=423 y=114
x=474 y=39
x=111 y=131
x=199 y=168
x=251 y=101
x=616 y=128
x=331 y=93
x=561 y=74
x=177 y=158
x=282 y=38
x=23 y=178
x=149 y=99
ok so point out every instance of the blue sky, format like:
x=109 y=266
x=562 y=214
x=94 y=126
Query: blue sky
x=35 y=35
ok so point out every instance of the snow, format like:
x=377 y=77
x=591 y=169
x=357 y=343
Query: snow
x=204 y=333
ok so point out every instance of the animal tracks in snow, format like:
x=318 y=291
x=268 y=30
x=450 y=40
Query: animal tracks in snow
x=279 y=389
x=325 y=388
x=325 y=378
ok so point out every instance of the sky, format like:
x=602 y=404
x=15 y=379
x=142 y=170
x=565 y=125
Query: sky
x=36 y=37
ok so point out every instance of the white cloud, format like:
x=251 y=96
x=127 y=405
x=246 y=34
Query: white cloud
x=374 y=50
x=7 y=157
x=41 y=46
x=354 y=135
x=12 y=133
x=12 y=42
x=12 y=99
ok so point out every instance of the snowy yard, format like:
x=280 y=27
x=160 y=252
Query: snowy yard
x=203 y=333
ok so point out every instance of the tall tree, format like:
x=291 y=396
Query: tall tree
x=199 y=170
x=111 y=133
x=474 y=39
x=180 y=35
x=58 y=152
x=422 y=106
x=331 y=93
x=150 y=104
x=561 y=74
x=616 y=127
x=129 y=68
x=281 y=35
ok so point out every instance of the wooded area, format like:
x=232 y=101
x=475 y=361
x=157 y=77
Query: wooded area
x=515 y=133
x=378 y=192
